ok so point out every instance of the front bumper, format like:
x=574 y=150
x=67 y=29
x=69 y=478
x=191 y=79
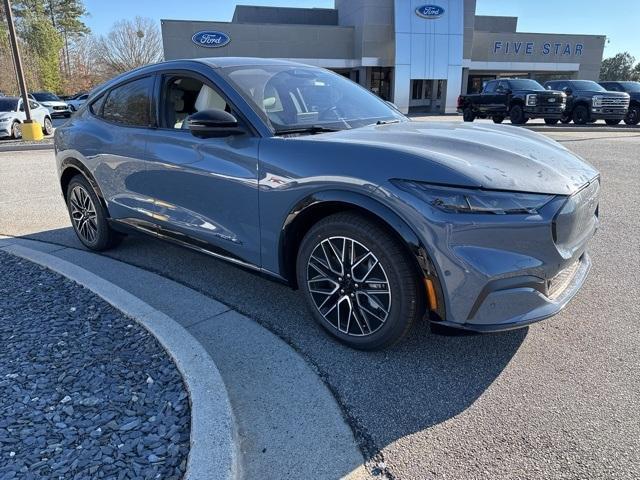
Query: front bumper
x=608 y=113
x=500 y=272
x=546 y=112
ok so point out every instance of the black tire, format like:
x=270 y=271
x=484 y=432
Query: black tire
x=633 y=115
x=550 y=121
x=405 y=295
x=47 y=128
x=105 y=237
x=16 y=130
x=612 y=121
x=580 y=115
x=468 y=115
x=517 y=116
x=497 y=119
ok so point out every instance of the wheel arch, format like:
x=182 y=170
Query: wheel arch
x=322 y=204
x=69 y=168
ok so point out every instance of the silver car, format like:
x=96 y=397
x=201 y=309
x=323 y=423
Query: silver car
x=12 y=116
x=301 y=175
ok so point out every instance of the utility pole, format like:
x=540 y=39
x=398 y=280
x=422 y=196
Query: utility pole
x=30 y=130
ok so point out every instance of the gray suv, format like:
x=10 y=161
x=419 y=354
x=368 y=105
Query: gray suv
x=299 y=174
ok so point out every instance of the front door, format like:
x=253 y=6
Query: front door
x=205 y=190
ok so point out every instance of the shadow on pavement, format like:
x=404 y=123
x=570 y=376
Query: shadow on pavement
x=423 y=381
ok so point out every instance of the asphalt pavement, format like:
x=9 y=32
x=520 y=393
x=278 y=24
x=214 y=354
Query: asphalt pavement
x=559 y=399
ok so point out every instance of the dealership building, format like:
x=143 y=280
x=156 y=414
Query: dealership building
x=418 y=54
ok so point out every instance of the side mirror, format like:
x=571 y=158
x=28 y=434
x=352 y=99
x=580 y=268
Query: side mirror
x=213 y=123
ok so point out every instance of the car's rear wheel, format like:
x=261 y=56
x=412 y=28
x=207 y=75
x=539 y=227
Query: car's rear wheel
x=88 y=216
x=633 y=115
x=517 y=116
x=16 y=130
x=612 y=121
x=468 y=115
x=580 y=115
x=497 y=119
x=360 y=284
x=47 y=128
x=550 y=121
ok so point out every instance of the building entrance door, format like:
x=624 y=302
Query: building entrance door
x=427 y=96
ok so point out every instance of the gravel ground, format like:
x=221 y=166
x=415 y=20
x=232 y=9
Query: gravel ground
x=557 y=400
x=84 y=391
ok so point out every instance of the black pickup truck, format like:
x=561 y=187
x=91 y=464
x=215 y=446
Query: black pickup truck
x=519 y=99
x=587 y=102
x=633 y=89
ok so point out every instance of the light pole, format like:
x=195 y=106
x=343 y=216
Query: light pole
x=30 y=130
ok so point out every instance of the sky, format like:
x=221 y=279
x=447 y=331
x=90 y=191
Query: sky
x=618 y=22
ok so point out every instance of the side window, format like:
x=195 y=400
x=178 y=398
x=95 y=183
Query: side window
x=96 y=105
x=490 y=87
x=502 y=86
x=130 y=104
x=183 y=96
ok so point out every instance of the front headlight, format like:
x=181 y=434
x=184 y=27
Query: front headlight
x=532 y=100
x=597 y=100
x=467 y=200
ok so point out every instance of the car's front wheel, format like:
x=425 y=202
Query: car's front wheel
x=580 y=115
x=360 y=283
x=517 y=116
x=47 y=128
x=497 y=119
x=633 y=116
x=88 y=216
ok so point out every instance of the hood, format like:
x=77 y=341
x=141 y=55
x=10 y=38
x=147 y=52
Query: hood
x=53 y=103
x=486 y=156
x=605 y=94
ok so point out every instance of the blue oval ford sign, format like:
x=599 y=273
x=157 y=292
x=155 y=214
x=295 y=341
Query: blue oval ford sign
x=210 y=39
x=430 y=11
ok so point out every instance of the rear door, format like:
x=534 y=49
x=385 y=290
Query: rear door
x=205 y=190
x=501 y=97
x=113 y=141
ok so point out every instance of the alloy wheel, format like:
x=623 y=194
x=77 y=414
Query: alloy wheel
x=17 y=130
x=83 y=214
x=349 y=286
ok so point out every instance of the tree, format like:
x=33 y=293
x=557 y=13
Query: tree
x=66 y=18
x=130 y=44
x=618 y=67
x=45 y=42
x=635 y=74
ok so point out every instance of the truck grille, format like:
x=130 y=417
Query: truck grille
x=615 y=102
x=577 y=220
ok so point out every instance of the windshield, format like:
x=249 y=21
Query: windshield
x=525 y=84
x=291 y=97
x=588 y=85
x=631 y=86
x=46 y=97
x=8 y=104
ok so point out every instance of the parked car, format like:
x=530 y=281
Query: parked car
x=303 y=176
x=633 y=89
x=587 y=102
x=519 y=99
x=56 y=107
x=76 y=102
x=12 y=116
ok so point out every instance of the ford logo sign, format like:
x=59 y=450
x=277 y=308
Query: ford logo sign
x=430 y=11
x=210 y=39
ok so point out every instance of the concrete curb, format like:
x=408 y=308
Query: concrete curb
x=17 y=147
x=213 y=452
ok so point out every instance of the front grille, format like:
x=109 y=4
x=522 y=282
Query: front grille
x=561 y=281
x=59 y=108
x=577 y=219
x=615 y=102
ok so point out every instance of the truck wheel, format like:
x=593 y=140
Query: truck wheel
x=580 y=115
x=516 y=114
x=633 y=115
x=612 y=121
x=550 y=121
x=468 y=115
x=498 y=119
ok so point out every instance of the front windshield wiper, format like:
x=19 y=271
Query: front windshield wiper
x=387 y=122
x=311 y=129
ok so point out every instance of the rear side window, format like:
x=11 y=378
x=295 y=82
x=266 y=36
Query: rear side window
x=130 y=104
x=490 y=87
